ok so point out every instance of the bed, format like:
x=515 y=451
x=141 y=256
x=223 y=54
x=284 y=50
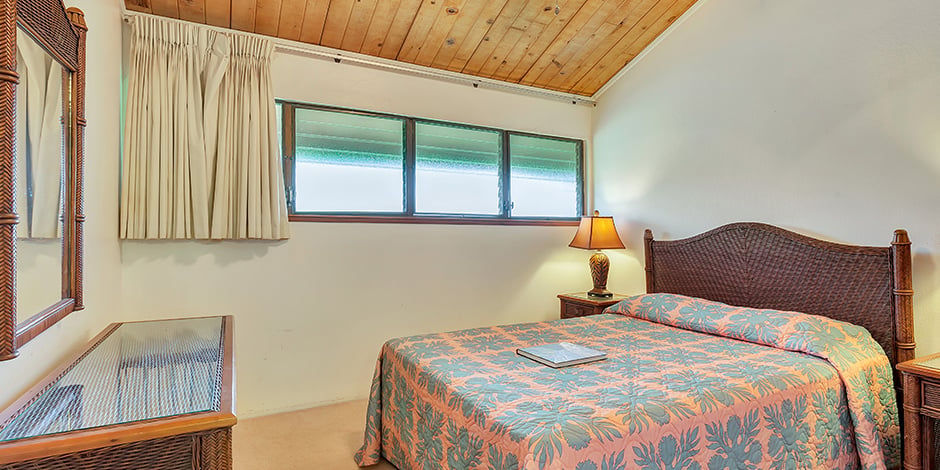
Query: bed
x=754 y=347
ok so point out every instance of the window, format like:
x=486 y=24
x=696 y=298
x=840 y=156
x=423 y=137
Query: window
x=545 y=179
x=456 y=170
x=347 y=162
x=342 y=164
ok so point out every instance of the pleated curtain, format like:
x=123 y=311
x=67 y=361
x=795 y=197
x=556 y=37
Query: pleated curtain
x=39 y=157
x=200 y=156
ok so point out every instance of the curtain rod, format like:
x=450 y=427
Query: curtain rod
x=339 y=56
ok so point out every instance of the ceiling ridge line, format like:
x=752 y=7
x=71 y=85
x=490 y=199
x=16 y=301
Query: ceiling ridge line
x=648 y=49
x=583 y=70
x=547 y=70
x=635 y=40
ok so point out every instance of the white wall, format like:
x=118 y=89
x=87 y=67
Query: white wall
x=102 y=252
x=817 y=116
x=312 y=312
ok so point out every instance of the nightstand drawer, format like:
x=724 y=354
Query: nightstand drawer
x=575 y=310
x=931 y=396
x=580 y=304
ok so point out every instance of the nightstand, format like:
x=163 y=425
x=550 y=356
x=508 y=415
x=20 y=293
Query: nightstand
x=921 y=407
x=580 y=304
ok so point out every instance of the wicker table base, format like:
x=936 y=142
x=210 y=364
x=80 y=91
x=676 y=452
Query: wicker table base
x=205 y=451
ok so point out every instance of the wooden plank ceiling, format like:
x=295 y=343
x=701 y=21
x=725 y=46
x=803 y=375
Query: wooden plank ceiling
x=572 y=46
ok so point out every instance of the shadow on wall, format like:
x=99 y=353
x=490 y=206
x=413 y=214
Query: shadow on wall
x=186 y=252
x=407 y=262
x=925 y=277
x=925 y=270
x=634 y=230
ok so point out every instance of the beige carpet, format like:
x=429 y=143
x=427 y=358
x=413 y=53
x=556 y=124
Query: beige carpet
x=317 y=438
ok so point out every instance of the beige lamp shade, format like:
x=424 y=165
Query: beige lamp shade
x=596 y=233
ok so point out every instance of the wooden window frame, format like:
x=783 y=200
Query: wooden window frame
x=408 y=216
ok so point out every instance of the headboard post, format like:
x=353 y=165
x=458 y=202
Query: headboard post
x=903 y=295
x=648 y=252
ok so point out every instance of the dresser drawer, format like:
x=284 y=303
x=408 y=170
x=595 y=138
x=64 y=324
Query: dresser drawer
x=931 y=396
x=574 y=310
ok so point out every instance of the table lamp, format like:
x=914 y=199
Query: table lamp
x=597 y=233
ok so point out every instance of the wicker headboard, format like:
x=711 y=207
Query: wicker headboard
x=762 y=266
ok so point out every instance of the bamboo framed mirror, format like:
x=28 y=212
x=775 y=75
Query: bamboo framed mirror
x=42 y=123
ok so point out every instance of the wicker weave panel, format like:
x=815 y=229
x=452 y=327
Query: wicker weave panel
x=761 y=266
x=935 y=458
x=62 y=35
x=931 y=396
x=171 y=453
x=8 y=78
x=215 y=450
x=681 y=269
x=49 y=24
x=78 y=263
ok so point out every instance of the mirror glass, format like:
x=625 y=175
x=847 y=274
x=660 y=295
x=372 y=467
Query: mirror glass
x=40 y=161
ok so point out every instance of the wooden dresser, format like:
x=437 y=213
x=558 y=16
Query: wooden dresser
x=921 y=412
x=154 y=395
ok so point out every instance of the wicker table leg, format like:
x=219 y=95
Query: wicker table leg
x=214 y=450
x=911 y=410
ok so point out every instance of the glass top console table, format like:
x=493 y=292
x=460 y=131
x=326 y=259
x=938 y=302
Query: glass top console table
x=155 y=394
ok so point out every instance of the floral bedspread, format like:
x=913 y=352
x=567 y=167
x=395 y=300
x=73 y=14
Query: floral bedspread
x=688 y=384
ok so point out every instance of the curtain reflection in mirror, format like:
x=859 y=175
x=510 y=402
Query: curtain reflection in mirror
x=39 y=142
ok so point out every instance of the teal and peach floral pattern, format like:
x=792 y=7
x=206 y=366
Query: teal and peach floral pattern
x=687 y=384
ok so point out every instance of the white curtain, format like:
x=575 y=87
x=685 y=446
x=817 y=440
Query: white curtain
x=39 y=131
x=200 y=139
